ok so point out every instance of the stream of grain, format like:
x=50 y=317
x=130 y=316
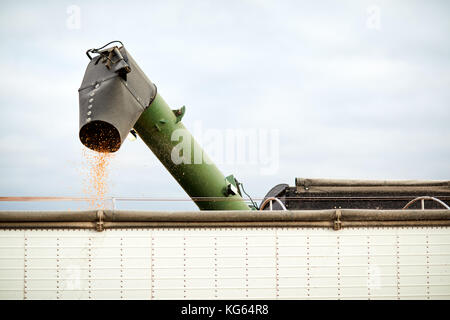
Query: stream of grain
x=96 y=174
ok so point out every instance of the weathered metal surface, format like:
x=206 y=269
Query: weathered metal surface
x=378 y=184
x=335 y=219
x=320 y=194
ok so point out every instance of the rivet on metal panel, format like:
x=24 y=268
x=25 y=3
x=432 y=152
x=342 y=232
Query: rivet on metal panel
x=184 y=267
x=397 y=242
x=277 y=269
x=25 y=270
x=215 y=268
x=246 y=267
x=308 y=284
x=121 y=268
x=57 y=269
x=152 y=276
x=89 y=268
x=338 y=253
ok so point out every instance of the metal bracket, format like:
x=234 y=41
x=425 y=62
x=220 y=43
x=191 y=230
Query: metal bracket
x=99 y=225
x=337 y=223
x=179 y=113
x=231 y=188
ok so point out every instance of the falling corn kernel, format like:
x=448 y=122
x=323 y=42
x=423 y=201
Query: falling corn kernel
x=96 y=169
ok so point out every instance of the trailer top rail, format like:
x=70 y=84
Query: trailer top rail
x=334 y=218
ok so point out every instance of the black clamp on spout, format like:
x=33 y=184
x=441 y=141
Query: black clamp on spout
x=113 y=95
x=113 y=58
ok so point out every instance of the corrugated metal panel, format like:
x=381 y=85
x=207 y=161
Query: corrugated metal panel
x=226 y=263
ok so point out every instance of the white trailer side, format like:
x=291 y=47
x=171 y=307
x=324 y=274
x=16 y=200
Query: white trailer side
x=279 y=262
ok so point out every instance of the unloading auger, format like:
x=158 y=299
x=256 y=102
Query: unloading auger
x=117 y=98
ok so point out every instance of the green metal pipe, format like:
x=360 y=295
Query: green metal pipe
x=160 y=128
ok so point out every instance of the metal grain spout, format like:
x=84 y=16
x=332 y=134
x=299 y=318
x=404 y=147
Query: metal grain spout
x=116 y=97
x=113 y=95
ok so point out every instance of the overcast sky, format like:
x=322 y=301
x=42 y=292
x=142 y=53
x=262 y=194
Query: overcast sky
x=355 y=89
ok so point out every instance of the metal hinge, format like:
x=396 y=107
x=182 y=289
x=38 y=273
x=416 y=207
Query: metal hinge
x=337 y=222
x=100 y=226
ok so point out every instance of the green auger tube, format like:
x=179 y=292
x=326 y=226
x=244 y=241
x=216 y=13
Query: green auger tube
x=161 y=129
